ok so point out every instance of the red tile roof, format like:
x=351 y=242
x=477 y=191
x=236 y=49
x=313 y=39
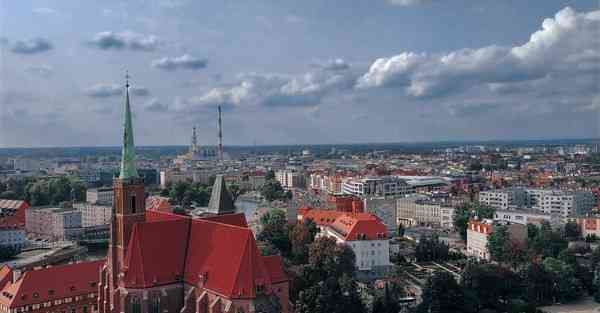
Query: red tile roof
x=47 y=284
x=168 y=247
x=6 y=275
x=235 y=219
x=360 y=226
x=353 y=226
x=321 y=217
x=156 y=203
x=14 y=213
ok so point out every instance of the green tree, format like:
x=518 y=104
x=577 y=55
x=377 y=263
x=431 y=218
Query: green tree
x=401 y=230
x=546 y=242
x=272 y=190
x=270 y=175
x=442 y=294
x=300 y=239
x=235 y=191
x=572 y=231
x=499 y=244
x=430 y=248
x=466 y=212
x=8 y=252
x=275 y=230
x=566 y=287
x=388 y=300
x=489 y=286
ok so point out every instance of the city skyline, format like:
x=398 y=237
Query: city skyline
x=298 y=73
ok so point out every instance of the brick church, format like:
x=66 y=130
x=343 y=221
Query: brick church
x=162 y=262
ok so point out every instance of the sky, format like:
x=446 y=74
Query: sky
x=298 y=72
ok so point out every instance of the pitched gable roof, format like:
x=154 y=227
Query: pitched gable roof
x=360 y=226
x=12 y=213
x=52 y=283
x=156 y=252
x=220 y=250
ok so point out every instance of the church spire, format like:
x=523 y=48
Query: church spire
x=128 y=169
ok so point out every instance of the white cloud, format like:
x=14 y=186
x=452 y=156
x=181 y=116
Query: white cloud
x=558 y=47
x=104 y=90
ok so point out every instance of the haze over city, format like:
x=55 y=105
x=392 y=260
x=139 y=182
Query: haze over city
x=291 y=72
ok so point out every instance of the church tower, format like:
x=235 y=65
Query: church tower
x=129 y=198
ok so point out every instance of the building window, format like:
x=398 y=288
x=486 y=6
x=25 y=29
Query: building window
x=133 y=204
x=135 y=305
x=155 y=305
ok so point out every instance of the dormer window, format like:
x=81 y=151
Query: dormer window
x=36 y=295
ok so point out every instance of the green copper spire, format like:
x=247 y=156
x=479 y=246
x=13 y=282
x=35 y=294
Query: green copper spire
x=128 y=169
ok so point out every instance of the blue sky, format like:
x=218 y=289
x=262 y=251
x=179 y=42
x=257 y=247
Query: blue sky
x=292 y=72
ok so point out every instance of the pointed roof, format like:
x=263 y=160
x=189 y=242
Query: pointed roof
x=221 y=201
x=128 y=169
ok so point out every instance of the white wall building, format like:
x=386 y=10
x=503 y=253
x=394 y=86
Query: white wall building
x=364 y=233
x=418 y=210
x=100 y=196
x=384 y=186
x=291 y=179
x=94 y=215
x=55 y=223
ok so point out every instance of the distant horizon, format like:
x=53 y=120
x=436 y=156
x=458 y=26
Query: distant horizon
x=441 y=142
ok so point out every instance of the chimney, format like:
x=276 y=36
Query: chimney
x=16 y=275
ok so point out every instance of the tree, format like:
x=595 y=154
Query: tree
x=430 y=248
x=466 y=212
x=499 y=244
x=300 y=239
x=388 y=301
x=538 y=284
x=442 y=294
x=236 y=191
x=333 y=295
x=489 y=286
x=270 y=175
x=546 y=241
x=401 y=230
x=275 y=230
x=328 y=258
x=565 y=286
x=272 y=190
x=572 y=231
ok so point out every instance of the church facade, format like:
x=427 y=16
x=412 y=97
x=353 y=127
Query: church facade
x=162 y=262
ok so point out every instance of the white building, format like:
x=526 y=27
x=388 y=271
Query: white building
x=291 y=179
x=54 y=223
x=478 y=233
x=563 y=203
x=100 y=196
x=423 y=211
x=94 y=215
x=364 y=233
x=502 y=199
x=523 y=217
x=384 y=186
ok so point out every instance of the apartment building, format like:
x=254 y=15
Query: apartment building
x=478 y=233
x=382 y=186
x=55 y=223
x=502 y=199
x=424 y=211
x=291 y=179
x=100 y=196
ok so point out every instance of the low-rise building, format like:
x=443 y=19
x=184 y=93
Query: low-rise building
x=424 y=211
x=94 y=215
x=100 y=196
x=54 y=223
x=523 y=217
x=364 y=233
x=69 y=288
x=291 y=179
x=478 y=233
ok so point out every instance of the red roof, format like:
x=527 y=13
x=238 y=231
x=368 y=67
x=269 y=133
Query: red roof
x=221 y=249
x=156 y=203
x=52 y=283
x=321 y=217
x=12 y=213
x=235 y=219
x=360 y=226
x=274 y=264
x=353 y=226
x=6 y=275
